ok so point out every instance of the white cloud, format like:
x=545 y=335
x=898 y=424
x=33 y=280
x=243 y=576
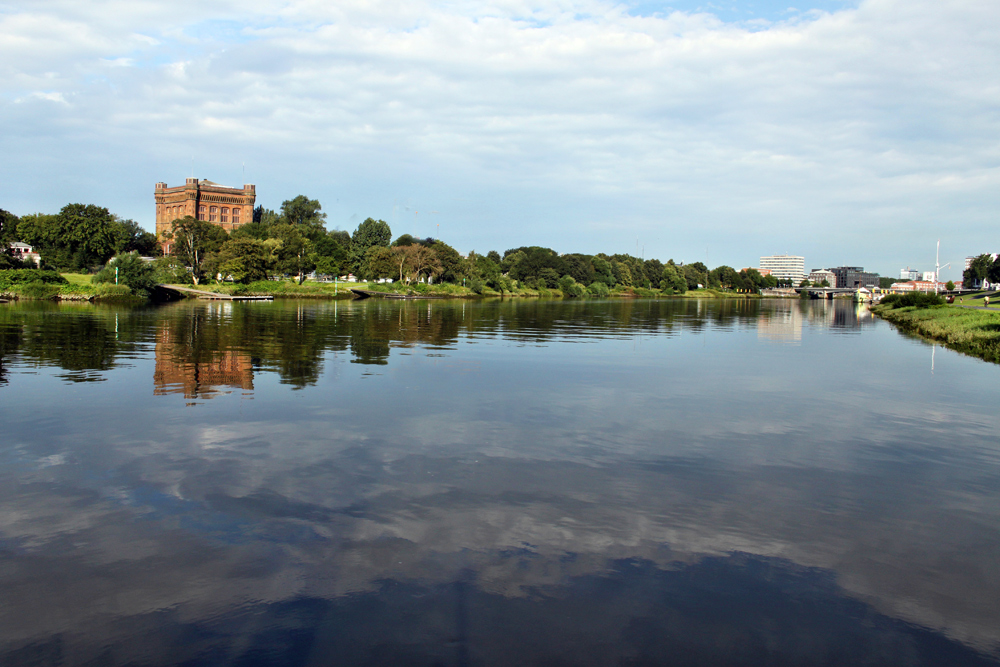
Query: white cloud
x=521 y=122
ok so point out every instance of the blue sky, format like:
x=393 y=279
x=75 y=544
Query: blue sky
x=848 y=132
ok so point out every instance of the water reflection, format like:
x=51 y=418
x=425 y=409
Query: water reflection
x=508 y=483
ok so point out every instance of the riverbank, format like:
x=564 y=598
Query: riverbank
x=79 y=287
x=323 y=290
x=966 y=330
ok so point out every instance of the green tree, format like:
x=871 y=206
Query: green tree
x=602 y=270
x=192 y=241
x=294 y=254
x=79 y=237
x=452 y=264
x=622 y=273
x=415 y=261
x=672 y=280
x=8 y=228
x=379 y=263
x=247 y=260
x=369 y=234
x=580 y=267
x=978 y=271
x=265 y=216
x=306 y=214
x=949 y=285
x=129 y=269
x=131 y=237
x=331 y=253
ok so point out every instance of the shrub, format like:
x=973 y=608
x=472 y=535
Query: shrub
x=12 y=277
x=569 y=286
x=475 y=284
x=914 y=299
x=171 y=271
x=37 y=290
x=112 y=291
x=599 y=289
x=132 y=271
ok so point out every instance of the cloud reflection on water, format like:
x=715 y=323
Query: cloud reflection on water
x=701 y=504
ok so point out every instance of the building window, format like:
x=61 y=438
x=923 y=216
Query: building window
x=236 y=216
x=201 y=212
x=225 y=215
x=213 y=213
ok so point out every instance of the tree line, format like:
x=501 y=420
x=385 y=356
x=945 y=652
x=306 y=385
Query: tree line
x=294 y=241
x=983 y=267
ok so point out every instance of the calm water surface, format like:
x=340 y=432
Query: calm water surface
x=496 y=483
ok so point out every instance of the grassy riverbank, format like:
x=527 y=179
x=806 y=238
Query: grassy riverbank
x=80 y=287
x=318 y=290
x=972 y=332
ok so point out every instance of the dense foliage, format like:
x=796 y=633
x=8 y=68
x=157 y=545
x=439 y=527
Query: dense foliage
x=294 y=241
x=914 y=299
x=131 y=270
x=82 y=237
x=983 y=267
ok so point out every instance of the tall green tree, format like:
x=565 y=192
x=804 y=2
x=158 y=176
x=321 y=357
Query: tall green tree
x=369 y=234
x=452 y=265
x=306 y=214
x=245 y=259
x=80 y=236
x=295 y=252
x=192 y=241
x=131 y=237
x=331 y=253
x=978 y=271
x=379 y=262
x=8 y=228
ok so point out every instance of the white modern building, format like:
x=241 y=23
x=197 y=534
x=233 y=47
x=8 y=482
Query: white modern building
x=909 y=274
x=785 y=266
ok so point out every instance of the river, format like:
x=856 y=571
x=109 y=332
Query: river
x=517 y=482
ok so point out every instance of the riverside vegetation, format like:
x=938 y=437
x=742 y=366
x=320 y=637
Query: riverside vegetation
x=276 y=252
x=966 y=330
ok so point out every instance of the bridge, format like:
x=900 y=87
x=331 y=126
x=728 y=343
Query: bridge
x=825 y=292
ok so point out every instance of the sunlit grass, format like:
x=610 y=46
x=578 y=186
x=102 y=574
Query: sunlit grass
x=973 y=332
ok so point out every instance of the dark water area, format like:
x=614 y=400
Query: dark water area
x=493 y=483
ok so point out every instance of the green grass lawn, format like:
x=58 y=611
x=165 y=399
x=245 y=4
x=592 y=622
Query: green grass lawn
x=77 y=278
x=973 y=332
x=977 y=299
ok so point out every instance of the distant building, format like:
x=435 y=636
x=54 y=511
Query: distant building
x=968 y=260
x=204 y=200
x=854 y=277
x=916 y=286
x=791 y=267
x=817 y=276
x=909 y=274
x=928 y=275
x=25 y=253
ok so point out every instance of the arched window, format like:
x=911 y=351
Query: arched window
x=225 y=215
x=236 y=216
x=213 y=213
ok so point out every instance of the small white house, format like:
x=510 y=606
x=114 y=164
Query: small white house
x=25 y=253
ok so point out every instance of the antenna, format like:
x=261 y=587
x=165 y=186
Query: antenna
x=937 y=267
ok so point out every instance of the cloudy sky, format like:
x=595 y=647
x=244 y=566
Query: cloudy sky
x=848 y=132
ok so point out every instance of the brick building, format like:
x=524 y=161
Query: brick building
x=227 y=207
